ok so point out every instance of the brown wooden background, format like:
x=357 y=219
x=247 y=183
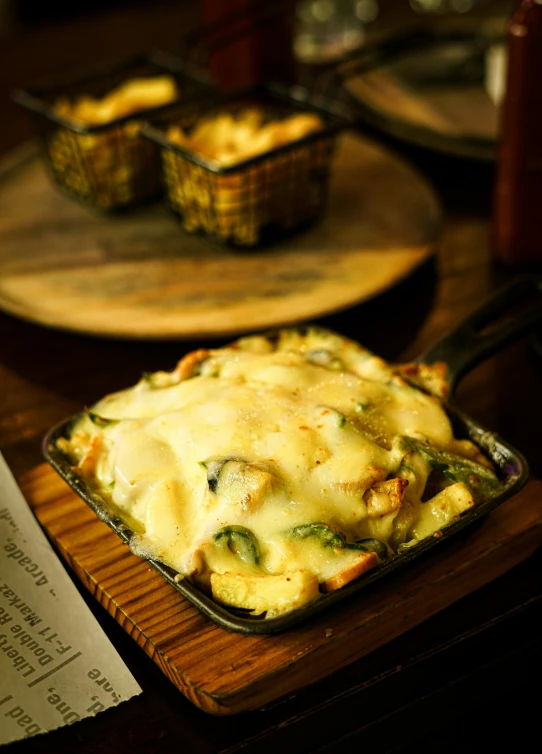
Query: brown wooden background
x=459 y=682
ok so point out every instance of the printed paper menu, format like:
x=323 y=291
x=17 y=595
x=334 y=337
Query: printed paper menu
x=56 y=664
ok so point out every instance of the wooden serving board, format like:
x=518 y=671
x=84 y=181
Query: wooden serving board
x=225 y=673
x=139 y=275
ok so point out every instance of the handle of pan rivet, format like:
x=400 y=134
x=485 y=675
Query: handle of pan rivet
x=469 y=343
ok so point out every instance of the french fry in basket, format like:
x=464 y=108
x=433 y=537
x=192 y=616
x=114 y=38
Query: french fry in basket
x=133 y=96
x=230 y=139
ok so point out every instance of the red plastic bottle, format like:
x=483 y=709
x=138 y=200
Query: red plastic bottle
x=261 y=42
x=517 y=218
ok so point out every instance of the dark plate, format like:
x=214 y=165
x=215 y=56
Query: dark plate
x=437 y=96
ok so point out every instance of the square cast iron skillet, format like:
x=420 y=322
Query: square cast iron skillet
x=462 y=348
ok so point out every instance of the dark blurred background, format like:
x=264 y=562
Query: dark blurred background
x=45 y=38
x=41 y=38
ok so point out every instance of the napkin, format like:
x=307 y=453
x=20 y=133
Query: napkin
x=56 y=664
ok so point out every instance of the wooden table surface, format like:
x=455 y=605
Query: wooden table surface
x=460 y=681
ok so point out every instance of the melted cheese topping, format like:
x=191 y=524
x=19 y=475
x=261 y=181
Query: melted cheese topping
x=250 y=459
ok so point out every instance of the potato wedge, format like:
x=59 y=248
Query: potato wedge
x=441 y=509
x=130 y=97
x=364 y=562
x=271 y=594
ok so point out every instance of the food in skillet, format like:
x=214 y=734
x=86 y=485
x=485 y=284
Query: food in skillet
x=279 y=467
x=283 y=189
x=109 y=167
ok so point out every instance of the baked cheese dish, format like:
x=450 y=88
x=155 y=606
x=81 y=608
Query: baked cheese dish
x=279 y=467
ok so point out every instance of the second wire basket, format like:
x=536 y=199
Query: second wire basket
x=262 y=191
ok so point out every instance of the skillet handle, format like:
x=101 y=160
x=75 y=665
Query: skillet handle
x=467 y=345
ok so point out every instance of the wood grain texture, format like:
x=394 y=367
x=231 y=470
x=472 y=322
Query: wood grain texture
x=138 y=275
x=226 y=673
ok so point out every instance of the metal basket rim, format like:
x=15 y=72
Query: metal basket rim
x=343 y=120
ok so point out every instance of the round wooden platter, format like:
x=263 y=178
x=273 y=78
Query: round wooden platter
x=139 y=275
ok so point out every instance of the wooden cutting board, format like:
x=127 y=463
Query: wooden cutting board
x=139 y=275
x=225 y=673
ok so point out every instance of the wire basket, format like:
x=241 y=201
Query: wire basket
x=261 y=199
x=109 y=166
